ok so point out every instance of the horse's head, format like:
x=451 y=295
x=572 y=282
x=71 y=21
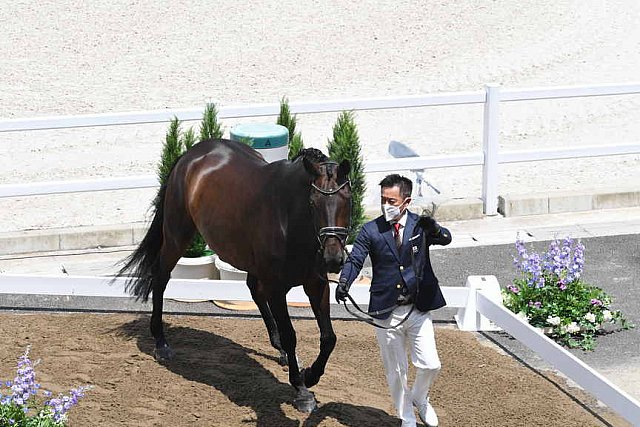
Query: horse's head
x=331 y=207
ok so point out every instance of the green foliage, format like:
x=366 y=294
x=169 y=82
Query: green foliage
x=176 y=144
x=295 y=145
x=210 y=127
x=246 y=140
x=198 y=248
x=346 y=145
x=188 y=139
x=287 y=120
x=171 y=150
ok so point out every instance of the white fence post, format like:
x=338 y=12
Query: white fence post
x=490 y=149
x=468 y=317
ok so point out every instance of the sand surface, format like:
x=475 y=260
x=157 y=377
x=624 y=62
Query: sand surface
x=226 y=374
x=94 y=57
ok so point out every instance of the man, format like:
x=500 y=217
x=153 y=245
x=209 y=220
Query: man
x=403 y=286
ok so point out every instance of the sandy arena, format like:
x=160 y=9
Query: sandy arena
x=226 y=374
x=73 y=57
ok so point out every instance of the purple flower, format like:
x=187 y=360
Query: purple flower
x=536 y=304
x=514 y=289
x=24 y=384
x=595 y=301
x=61 y=405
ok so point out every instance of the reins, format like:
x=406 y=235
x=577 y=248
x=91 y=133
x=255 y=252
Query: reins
x=370 y=320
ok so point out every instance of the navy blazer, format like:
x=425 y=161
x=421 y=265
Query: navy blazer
x=392 y=268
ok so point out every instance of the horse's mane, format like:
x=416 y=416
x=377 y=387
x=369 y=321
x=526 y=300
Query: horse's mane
x=312 y=154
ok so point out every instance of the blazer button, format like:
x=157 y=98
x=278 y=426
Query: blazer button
x=398 y=286
x=401 y=268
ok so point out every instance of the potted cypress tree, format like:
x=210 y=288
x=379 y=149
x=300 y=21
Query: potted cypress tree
x=198 y=261
x=346 y=145
x=289 y=121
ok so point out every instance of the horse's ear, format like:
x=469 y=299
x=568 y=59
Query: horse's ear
x=310 y=167
x=343 y=169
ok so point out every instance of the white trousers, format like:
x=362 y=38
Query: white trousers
x=417 y=336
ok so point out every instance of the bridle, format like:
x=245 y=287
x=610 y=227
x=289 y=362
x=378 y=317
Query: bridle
x=324 y=233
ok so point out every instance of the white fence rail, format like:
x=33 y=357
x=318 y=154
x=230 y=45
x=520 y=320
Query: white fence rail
x=479 y=308
x=565 y=362
x=490 y=158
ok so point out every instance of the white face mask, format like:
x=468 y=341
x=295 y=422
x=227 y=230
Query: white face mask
x=390 y=212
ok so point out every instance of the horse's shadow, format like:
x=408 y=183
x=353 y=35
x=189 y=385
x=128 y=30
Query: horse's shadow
x=221 y=363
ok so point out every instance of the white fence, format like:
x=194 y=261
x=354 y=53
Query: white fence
x=479 y=308
x=490 y=158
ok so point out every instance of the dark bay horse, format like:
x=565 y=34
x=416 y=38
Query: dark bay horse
x=284 y=223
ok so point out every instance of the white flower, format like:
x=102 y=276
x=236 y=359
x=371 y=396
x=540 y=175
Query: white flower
x=573 y=327
x=606 y=314
x=590 y=317
x=555 y=320
x=523 y=316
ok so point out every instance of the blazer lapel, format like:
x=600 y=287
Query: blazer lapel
x=391 y=241
x=408 y=229
x=387 y=234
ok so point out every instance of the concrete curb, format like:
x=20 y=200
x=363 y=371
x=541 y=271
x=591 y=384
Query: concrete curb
x=63 y=239
x=566 y=201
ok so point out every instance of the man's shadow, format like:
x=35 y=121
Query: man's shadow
x=221 y=363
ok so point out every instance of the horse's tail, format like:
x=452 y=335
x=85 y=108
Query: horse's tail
x=143 y=265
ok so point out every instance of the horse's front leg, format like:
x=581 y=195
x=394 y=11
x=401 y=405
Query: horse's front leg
x=305 y=400
x=318 y=292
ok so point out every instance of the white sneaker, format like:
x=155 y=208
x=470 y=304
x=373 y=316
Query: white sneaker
x=426 y=413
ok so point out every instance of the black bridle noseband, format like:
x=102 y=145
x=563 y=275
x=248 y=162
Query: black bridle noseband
x=323 y=233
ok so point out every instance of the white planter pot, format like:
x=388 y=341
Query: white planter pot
x=229 y=272
x=196 y=268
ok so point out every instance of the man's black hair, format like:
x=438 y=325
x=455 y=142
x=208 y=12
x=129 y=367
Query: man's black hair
x=403 y=183
x=312 y=154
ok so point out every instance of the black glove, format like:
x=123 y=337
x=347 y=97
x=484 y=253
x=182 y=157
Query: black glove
x=429 y=225
x=342 y=290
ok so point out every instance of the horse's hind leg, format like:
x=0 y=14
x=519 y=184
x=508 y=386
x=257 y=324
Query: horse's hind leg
x=177 y=237
x=257 y=293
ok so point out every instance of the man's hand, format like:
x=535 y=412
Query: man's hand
x=429 y=225
x=342 y=290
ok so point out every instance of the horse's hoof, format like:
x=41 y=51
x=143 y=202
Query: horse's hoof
x=164 y=353
x=308 y=378
x=283 y=360
x=305 y=402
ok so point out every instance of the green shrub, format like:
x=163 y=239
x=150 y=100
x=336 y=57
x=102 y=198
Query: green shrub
x=346 y=145
x=175 y=145
x=287 y=120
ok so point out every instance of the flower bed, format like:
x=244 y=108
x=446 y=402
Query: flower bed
x=551 y=295
x=22 y=406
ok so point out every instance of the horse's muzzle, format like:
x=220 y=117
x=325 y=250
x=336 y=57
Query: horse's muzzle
x=334 y=264
x=334 y=256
